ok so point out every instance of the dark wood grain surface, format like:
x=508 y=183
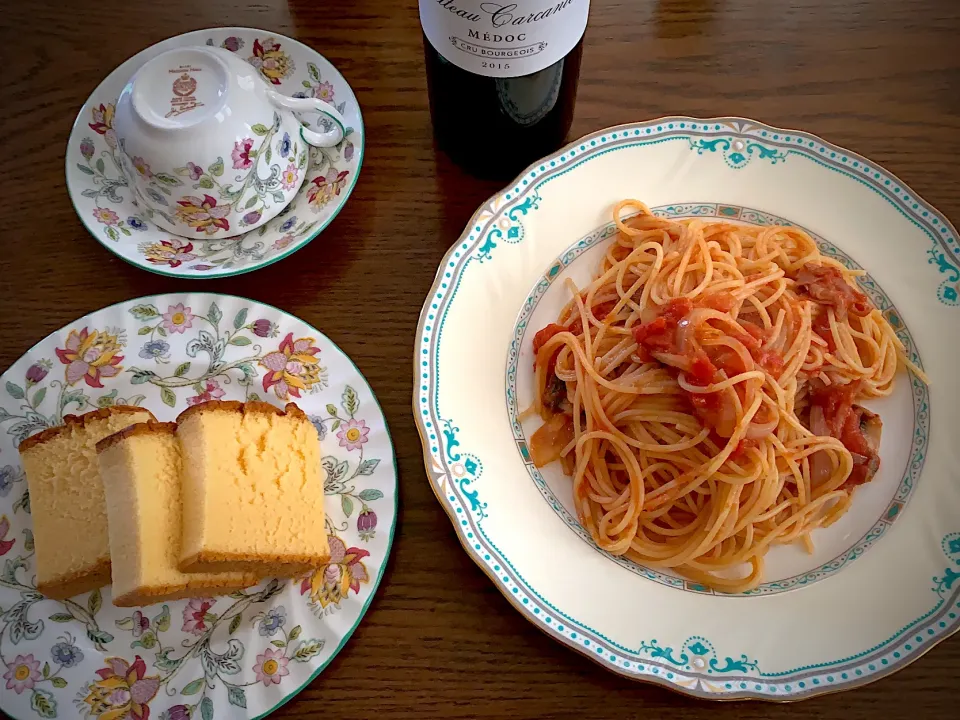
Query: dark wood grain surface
x=881 y=77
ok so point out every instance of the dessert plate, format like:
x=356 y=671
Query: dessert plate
x=881 y=586
x=230 y=657
x=106 y=205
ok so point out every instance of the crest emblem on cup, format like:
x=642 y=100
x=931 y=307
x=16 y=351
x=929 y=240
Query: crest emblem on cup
x=183 y=100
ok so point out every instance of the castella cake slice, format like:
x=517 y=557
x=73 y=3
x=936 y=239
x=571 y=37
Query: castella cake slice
x=252 y=489
x=66 y=500
x=140 y=467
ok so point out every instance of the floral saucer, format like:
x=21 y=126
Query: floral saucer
x=106 y=204
x=218 y=658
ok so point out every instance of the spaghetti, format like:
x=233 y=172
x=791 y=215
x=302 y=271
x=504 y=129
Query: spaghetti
x=703 y=393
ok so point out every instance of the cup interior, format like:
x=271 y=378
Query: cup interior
x=180 y=88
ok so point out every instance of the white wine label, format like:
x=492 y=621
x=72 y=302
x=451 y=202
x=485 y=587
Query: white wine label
x=503 y=39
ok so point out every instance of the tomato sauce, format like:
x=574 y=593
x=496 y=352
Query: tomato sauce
x=826 y=285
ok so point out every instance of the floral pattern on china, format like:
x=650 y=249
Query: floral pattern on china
x=202 y=657
x=324 y=176
x=266 y=168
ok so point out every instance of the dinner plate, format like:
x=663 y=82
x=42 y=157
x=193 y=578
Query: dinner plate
x=106 y=205
x=881 y=586
x=229 y=657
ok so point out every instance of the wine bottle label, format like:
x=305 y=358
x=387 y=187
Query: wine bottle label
x=501 y=38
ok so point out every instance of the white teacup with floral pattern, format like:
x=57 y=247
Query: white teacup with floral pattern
x=208 y=148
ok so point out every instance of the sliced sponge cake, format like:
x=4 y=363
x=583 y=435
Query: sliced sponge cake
x=252 y=489
x=140 y=468
x=66 y=499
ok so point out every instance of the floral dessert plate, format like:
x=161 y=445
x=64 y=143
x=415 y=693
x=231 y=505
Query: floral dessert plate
x=882 y=585
x=231 y=657
x=106 y=204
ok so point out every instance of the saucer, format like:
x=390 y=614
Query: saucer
x=106 y=205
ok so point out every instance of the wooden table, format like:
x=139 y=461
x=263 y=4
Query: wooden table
x=879 y=77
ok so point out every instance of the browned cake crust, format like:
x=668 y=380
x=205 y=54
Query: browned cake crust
x=248 y=408
x=150 y=427
x=293 y=410
x=264 y=565
x=76 y=422
x=149 y=594
x=78 y=582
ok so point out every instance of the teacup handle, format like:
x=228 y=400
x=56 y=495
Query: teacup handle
x=319 y=139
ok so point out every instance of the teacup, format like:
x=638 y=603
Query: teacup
x=208 y=148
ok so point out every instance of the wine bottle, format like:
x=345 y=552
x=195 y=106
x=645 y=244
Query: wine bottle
x=502 y=78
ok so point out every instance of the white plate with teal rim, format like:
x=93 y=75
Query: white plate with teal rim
x=106 y=205
x=231 y=657
x=883 y=584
